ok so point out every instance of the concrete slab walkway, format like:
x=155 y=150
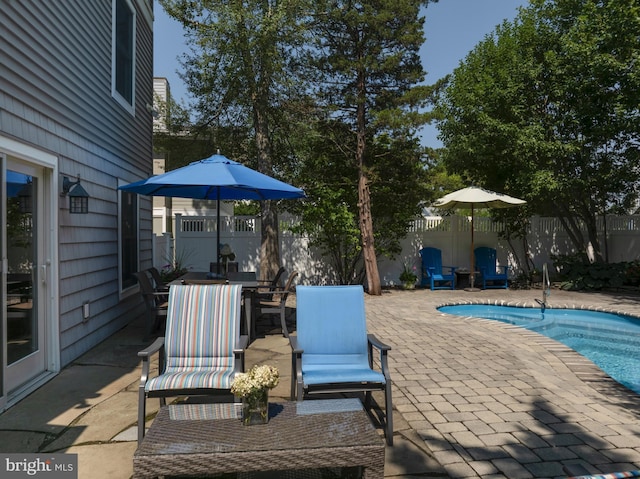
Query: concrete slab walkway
x=473 y=398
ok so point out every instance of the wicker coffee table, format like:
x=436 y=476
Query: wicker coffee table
x=210 y=439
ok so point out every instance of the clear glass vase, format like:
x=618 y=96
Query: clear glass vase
x=255 y=408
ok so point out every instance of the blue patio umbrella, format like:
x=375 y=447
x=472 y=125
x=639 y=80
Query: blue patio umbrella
x=215 y=178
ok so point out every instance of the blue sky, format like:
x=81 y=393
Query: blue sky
x=452 y=29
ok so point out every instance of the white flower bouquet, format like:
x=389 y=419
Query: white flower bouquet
x=253 y=387
x=255 y=380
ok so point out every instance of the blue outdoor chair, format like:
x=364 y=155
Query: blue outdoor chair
x=486 y=261
x=202 y=350
x=331 y=350
x=432 y=270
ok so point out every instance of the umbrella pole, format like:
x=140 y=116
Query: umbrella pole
x=472 y=275
x=218 y=231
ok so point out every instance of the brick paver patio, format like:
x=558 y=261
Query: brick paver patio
x=483 y=398
x=492 y=400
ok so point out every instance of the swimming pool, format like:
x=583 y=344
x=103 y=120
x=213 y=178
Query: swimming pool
x=611 y=341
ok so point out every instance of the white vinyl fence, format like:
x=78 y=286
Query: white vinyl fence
x=195 y=237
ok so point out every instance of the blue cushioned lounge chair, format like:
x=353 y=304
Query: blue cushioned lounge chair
x=492 y=276
x=202 y=349
x=432 y=274
x=331 y=350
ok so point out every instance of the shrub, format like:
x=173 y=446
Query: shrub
x=577 y=273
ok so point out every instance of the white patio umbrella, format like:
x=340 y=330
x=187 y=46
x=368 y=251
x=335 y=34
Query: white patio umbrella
x=474 y=197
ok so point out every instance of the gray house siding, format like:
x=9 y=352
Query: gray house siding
x=55 y=93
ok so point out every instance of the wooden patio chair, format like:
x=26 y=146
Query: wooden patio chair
x=432 y=270
x=493 y=276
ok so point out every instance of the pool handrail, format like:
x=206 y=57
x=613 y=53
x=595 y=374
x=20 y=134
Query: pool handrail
x=546 y=284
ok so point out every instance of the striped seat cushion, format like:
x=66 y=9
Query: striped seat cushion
x=204 y=379
x=203 y=328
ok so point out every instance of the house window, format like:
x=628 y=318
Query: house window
x=123 y=52
x=128 y=239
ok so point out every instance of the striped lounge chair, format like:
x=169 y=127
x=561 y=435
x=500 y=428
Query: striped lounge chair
x=202 y=349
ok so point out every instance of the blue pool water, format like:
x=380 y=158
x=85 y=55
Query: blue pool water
x=611 y=341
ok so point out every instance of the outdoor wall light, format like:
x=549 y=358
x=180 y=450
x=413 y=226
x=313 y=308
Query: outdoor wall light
x=78 y=196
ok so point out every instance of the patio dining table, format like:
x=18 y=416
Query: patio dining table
x=247 y=279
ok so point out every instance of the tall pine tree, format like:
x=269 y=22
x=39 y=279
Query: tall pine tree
x=367 y=53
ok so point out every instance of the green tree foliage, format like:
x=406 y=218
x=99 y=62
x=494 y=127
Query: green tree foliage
x=332 y=105
x=546 y=109
x=243 y=72
x=180 y=142
x=330 y=215
x=366 y=54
